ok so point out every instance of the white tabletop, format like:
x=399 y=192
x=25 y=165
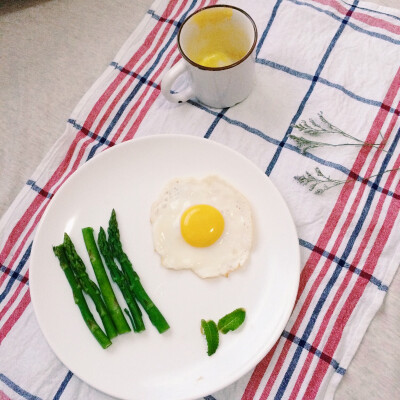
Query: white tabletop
x=50 y=54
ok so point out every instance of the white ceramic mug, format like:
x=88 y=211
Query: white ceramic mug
x=217 y=44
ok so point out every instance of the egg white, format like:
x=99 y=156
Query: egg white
x=228 y=253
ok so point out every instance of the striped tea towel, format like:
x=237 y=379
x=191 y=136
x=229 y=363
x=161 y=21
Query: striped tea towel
x=322 y=122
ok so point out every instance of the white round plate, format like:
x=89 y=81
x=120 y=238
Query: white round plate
x=174 y=365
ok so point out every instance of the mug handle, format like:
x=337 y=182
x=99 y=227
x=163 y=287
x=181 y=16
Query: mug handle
x=169 y=79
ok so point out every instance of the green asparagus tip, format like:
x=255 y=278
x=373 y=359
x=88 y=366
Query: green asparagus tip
x=59 y=252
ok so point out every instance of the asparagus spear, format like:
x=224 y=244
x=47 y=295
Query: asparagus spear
x=88 y=286
x=104 y=284
x=79 y=299
x=118 y=277
x=156 y=318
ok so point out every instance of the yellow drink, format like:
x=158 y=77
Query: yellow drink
x=217 y=39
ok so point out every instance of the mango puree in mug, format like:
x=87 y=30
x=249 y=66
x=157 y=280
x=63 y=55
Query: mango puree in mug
x=216 y=40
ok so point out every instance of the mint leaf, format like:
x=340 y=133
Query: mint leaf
x=232 y=321
x=210 y=330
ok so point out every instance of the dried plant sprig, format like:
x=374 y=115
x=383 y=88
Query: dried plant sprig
x=305 y=144
x=322 y=127
x=320 y=183
x=314 y=128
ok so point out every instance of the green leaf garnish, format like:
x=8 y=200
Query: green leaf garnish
x=210 y=330
x=232 y=321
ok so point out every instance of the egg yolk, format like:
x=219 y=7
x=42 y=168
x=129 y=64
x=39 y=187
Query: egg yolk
x=202 y=225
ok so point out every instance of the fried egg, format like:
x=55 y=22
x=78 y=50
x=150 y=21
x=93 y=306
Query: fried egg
x=202 y=224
